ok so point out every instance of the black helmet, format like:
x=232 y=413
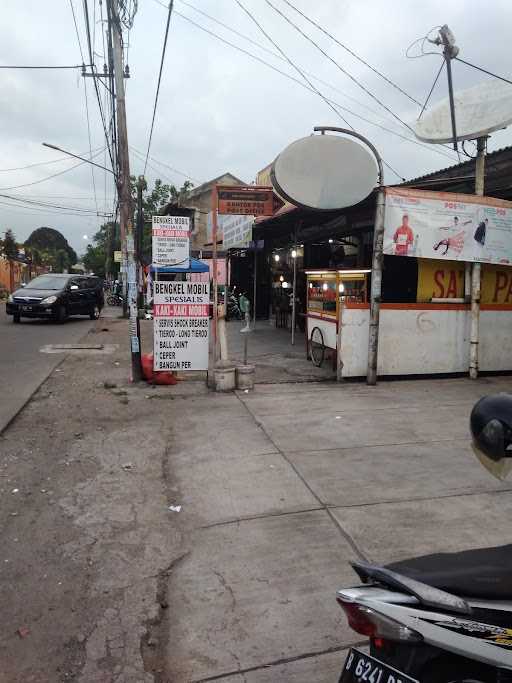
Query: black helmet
x=491 y=426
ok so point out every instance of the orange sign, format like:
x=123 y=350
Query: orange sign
x=245 y=199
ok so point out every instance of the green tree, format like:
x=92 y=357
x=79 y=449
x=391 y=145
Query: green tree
x=9 y=245
x=52 y=249
x=94 y=259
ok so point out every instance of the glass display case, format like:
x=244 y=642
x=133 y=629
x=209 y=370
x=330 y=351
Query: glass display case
x=326 y=291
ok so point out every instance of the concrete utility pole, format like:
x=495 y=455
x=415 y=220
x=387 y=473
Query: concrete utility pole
x=141 y=186
x=125 y=197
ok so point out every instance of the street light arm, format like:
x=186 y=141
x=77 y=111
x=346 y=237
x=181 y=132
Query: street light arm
x=75 y=156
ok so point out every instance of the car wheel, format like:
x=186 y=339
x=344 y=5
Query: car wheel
x=16 y=318
x=94 y=313
x=61 y=314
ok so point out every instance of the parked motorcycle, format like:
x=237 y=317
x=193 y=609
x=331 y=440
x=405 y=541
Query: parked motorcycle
x=442 y=618
x=114 y=299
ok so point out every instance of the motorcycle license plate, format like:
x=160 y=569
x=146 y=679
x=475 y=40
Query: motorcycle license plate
x=361 y=668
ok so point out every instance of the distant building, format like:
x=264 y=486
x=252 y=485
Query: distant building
x=200 y=199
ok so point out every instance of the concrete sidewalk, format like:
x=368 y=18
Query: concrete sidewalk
x=103 y=580
x=283 y=487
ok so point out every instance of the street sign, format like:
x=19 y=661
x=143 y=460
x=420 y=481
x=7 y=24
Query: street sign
x=118 y=256
x=181 y=325
x=171 y=241
x=245 y=199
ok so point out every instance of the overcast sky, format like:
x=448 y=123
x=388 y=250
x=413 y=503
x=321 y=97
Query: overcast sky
x=219 y=109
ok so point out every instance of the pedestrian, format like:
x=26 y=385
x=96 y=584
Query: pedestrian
x=245 y=308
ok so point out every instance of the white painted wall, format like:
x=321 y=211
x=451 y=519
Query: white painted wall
x=415 y=341
x=328 y=330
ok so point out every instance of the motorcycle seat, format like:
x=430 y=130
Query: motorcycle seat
x=484 y=573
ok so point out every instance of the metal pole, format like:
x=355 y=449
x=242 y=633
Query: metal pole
x=254 y=285
x=376 y=288
x=125 y=199
x=450 y=51
x=214 y=260
x=378 y=239
x=141 y=185
x=476 y=270
x=294 y=292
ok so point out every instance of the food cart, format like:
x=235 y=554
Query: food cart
x=327 y=291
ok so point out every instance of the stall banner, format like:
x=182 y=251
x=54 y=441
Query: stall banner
x=181 y=325
x=233 y=230
x=445 y=280
x=171 y=241
x=446 y=225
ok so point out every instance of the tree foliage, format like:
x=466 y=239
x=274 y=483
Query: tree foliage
x=9 y=245
x=107 y=239
x=48 y=247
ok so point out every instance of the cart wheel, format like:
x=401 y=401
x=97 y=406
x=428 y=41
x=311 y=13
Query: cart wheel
x=317 y=347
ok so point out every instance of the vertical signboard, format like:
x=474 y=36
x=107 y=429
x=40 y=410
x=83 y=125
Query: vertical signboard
x=180 y=325
x=171 y=241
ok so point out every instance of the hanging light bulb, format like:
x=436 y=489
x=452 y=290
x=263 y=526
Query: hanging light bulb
x=276 y=258
x=325 y=286
x=281 y=278
x=341 y=287
x=294 y=253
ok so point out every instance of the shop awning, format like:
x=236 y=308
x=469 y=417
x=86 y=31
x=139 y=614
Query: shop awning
x=196 y=266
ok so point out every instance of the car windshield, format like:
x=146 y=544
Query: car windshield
x=47 y=282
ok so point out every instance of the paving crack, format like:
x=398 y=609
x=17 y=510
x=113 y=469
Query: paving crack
x=279 y=662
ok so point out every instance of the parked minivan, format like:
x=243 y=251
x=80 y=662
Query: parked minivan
x=57 y=297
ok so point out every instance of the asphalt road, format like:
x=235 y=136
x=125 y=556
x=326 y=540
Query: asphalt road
x=22 y=366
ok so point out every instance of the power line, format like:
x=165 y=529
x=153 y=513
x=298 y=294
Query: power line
x=430 y=148
x=294 y=66
x=268 y=51
x=479 y=68
x=77 y=31
x=171 y=168
x=50 y=205
x=54 y=175
x=171 y=4
x=327 y=101
x=40 y=163
x=356 y=56
x=343 y=70
x=90 y=144
x=95 y=80
x=46 y=66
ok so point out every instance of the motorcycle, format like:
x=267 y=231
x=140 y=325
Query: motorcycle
x=114 y=299
x=441 y=618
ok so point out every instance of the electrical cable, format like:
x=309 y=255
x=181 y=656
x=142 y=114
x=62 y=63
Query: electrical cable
x=171 y=4
x=50 y=205
x=90 y=144
x=41 y=163
x=479 y=68
x=171 y=168
x=54 y=175
x=342 y=69
x=294 y=66
x=430 y=148
x=93 y=68
x=268 y=51
x=77 y=31
x=432 y=88
x=66 y=66
x=351 y=52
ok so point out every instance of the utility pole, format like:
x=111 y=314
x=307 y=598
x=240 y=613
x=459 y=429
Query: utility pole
x=141 y=186
x=125 y=196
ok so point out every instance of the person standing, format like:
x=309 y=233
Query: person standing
x=245 y=308
x=403 y=237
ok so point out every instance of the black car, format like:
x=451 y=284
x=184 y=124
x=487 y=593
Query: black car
x=57 y=297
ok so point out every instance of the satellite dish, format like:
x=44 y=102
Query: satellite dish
x=478 y=111
x=324 y=172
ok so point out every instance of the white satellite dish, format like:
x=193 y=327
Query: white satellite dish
x=324 y=172
x=478 y=111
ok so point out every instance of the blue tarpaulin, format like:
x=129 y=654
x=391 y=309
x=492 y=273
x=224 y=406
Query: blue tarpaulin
x=196 y=266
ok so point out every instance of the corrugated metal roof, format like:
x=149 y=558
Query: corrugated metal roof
x=463 y=165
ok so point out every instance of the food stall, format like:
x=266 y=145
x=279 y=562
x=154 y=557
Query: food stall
x=327 y=291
